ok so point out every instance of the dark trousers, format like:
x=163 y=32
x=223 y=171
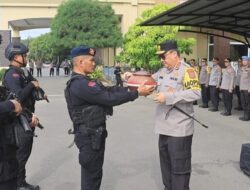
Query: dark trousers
x=204 y=94
x=245 y=101
x=119 y=81
x=175 y=161
x=23 y=154
x=66 y=71
x=51 y=72
x=39 y=71
x=91 y=162
x=31 y=71
x=228 y=100
x=8 y=185
x=214 y=96
x=237 y=91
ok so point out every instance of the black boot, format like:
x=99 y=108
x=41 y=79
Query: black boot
x=27 y=186
x=203 y=106
x=245 y=117
x=213 y=109
x=225 y=113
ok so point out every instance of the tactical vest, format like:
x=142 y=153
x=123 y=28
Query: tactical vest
x=87 y=115
x=29 y=102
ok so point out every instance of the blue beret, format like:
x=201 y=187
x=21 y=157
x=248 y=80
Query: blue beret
x=245 y=58
x=82 y=50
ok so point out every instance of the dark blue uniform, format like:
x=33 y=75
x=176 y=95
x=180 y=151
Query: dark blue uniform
x=82 y=93
x=8 y=161
x=118 y=78
x=16 y=81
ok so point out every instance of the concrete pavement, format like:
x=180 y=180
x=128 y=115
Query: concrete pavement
x=131 y=157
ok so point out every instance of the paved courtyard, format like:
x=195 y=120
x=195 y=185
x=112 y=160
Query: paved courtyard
x=131 y=158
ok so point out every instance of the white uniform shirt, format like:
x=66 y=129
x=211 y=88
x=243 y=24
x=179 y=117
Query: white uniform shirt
x=171 y=83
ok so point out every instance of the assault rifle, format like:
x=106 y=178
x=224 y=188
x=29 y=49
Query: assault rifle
x=26 y=115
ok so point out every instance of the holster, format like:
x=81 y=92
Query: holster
x=97 y=135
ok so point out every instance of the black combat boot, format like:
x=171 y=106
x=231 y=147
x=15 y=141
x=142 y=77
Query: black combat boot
x=246 y=117
x=203 y=106
x=213 y=109
x=27 y=186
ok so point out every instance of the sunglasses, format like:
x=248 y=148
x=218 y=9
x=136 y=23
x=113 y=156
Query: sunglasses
x=164 y=55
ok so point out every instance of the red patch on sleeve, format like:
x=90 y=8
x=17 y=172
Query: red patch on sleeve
x=15 y=75
x=91 y=84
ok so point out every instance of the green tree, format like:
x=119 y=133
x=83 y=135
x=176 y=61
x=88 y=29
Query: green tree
x=41 y=48
x=140 y=42
x=85 y=22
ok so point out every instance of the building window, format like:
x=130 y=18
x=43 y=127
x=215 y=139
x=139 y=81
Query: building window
x=210 y=48
x=238 y=50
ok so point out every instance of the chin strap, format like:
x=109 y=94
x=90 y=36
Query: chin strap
x=21 y=63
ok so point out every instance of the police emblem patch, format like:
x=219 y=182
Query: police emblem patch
x=15 y=75
x=191 y=73
x=91 y=84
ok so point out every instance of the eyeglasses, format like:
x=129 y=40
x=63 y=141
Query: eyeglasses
x=163 y=56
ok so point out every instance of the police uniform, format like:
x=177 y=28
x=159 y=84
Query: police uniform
x=88 y=104
x=227 y=85
x=16 y=81
x=204 y=80
x=117 y=73
x=237 y=88
x=181 y=87
x=244 y=91
x=214 y=84
x=8 y=161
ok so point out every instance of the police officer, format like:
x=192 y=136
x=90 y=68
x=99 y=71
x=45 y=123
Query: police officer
x=237 y=85
x=245 y=88
x=178 y=85
x=214 y=84
x=227 y=85
x=117 y=73
x=22 y=83
x=204 y=79
x=88 y=104
x=8 y=146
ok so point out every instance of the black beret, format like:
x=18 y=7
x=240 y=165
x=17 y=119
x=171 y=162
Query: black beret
x=82 y=50
x=166 y=46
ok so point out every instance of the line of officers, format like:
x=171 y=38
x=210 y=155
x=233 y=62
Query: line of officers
x=215 y=79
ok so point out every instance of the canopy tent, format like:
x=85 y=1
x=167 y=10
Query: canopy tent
x=231 y=16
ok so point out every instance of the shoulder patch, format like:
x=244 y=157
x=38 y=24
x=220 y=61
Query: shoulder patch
x=91 y=83
x=191 y=73
x=15 y=75
x=191 y=80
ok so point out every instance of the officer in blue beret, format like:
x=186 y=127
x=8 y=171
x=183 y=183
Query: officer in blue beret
x=88 y=104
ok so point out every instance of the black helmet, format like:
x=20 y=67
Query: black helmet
x=15 y=48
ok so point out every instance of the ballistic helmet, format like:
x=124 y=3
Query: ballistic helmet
x=15 y=48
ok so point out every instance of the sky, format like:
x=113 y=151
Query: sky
x=33 y=33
